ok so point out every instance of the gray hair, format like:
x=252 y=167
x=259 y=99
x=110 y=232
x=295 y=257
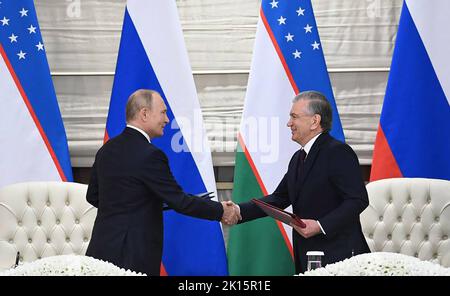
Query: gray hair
x=138 y=100
x=318 y=104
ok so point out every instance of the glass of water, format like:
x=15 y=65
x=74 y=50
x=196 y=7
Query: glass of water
x=314 y=259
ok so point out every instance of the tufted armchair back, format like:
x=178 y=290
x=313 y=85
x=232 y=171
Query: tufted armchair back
x=410 y=216
x=41 y=219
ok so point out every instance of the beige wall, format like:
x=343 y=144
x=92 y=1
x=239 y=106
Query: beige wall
x=82 y=39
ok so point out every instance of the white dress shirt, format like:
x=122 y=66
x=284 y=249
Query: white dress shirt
x=308 y=145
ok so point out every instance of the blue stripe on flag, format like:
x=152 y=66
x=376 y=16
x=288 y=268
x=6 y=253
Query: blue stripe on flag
x=191 y=246
x=33 y=73
x=416 y=115
x=295 y=30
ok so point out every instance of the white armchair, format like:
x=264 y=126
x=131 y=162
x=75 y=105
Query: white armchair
x=410 y=216
x=41 y=219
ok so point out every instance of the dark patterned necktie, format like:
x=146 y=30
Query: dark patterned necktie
x=301 y=163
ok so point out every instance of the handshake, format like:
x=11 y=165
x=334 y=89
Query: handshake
x=231 y=213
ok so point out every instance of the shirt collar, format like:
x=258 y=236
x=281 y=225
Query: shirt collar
x=308 y=145
x=141 y=131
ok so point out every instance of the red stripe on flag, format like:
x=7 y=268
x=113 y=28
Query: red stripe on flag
x=278 y=50
x=106 y=137
x=162 y=270
x=384 y=165
x=264 y=191
x=252 y=164
x=33 y=114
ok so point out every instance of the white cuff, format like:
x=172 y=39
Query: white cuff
x=321 y=227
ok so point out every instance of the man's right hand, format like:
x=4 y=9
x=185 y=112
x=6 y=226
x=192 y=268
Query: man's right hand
x=231 y=213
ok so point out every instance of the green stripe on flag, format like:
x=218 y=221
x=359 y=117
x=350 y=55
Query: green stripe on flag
x=256 y=247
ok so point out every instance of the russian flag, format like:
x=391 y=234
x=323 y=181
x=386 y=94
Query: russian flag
x=153 y=55
x=33 y=143
x=413 y=138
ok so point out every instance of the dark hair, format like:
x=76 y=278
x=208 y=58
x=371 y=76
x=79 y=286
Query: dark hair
x=138 y=100
x=318 y=104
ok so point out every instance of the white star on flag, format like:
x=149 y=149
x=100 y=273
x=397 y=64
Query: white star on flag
x=13 y=38
x=308 y=28
x=300 y=11
x=5 y=21
x=23 y=12
x=282 y=20
x=315 y=45
x=297 y=54
x=32 y=29
x=40 y=46
x=21 y=55
x=289 y=37
x=274 y=4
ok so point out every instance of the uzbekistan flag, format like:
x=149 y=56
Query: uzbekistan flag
x=153 y=55
x=413 y=138
x=33 y=143
x=287 y=59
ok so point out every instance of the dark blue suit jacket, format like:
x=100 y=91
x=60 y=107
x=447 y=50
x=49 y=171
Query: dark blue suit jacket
x=130 y=181
x=331 y=191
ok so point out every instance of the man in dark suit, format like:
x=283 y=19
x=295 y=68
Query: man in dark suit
x=130 y=181
x=323 y=184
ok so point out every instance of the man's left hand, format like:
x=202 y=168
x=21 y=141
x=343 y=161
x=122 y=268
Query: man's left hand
x=312 y=228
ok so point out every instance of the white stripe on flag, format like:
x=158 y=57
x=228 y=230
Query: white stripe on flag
x=168 y=55
x=25 y=156
x=268 y=100
x=267 y=104
x=432 y=21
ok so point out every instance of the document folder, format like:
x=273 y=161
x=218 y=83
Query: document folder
x=279 y=214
